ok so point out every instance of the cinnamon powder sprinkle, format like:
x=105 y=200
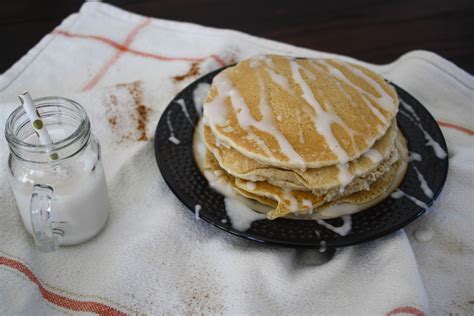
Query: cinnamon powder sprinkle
x=113 y=121
x=193 y=71
x=128 y=118
x=135 y=89
x=142 y=121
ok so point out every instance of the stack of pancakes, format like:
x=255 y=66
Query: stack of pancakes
x=301 y=135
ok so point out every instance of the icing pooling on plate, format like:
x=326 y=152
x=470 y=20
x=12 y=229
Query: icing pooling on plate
x=241 y=215
x=197 y=209
x=199 y=94
x=423 y=184
x=398 y=194
x=182 y=104
x=413 y=156
x=322 y=246
x=439 y=152
x=172 y=138
x=424 y=235
x=341 y=230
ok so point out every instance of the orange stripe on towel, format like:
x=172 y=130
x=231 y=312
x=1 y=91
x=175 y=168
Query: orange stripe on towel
x=103 y=70
x=124 y=48
x=60 y=300
x=457 y=127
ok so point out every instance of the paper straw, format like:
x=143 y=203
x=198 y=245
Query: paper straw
x=36 y=122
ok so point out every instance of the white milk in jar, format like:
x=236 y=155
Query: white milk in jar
x=70 y=193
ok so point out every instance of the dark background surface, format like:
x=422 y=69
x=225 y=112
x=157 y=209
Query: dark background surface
x=372 y=30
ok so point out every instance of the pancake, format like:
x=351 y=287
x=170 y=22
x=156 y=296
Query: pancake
x=283 y=203
x=317 y=180
x=383 y=185
x=302 y=202
x=276 y=110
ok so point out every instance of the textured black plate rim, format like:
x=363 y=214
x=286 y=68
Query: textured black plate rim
x=344 y=242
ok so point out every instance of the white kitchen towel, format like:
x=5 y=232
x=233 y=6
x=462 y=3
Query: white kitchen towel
x=153 y=256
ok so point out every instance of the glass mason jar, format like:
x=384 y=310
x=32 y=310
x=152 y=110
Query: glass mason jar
x=60 y=189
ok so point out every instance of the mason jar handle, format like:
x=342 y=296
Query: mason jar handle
x=46 y=237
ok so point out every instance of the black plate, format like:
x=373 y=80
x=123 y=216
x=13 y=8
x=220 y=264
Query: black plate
x=180 y=172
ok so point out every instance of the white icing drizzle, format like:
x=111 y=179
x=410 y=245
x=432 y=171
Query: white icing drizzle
x=216 y=111
x=300 y=130
x=224 y=221
x=201 y=148
x=269 y=62
x=308 y=204
x=219 y=184
x=339 y=75
x=385 y=100
x=280 y=80
x=293 y=207
x=323 y=119
x=411 y=110
x=172 y=139
x=423 y=184
x=439 y=152
x=424 y=235
x=267 y=124
x=263 y=146
x=219 y=143
x=413 y=156
x=251 y=185
x=185 y=110
x=228 y=129
x=197 y=209
x=341 y=230
x=199 y=94
x=374 y=155
x=322 y=246
x=246 y=120
x=241 y=215
x=399 y=194
x=344 y=176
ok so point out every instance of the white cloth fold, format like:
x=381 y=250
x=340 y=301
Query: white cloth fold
x=154 y=256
